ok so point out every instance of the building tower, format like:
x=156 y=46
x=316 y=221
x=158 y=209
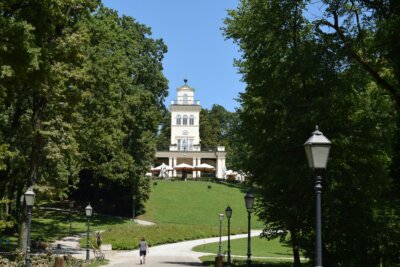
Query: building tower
x=185 y=137
x=185 y=121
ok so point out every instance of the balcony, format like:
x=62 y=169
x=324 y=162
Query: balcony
x=184 y=148
x=189 y=102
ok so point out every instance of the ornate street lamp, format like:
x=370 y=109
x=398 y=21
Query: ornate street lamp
x=88 y=211
x=317 y=150
x=249 y=201
x=29 y=201
x=71 y=205
x=221 y=218
x=228 y=212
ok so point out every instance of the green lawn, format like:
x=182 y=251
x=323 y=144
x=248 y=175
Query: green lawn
x=260 y=247
x=193 y=203
x=277 y=254
x=53 y=224
x=241 y=262
x=182 y=211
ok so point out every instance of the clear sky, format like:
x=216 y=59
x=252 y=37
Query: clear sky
x=197 y=49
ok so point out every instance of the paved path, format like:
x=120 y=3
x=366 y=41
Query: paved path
x=171 y=255
x=168 y=255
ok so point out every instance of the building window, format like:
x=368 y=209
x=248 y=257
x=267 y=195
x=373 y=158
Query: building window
x=185 y=144
x=178 y=120
x=185 y=99
x=189 y=144
x=185 y=119
x=191 y=120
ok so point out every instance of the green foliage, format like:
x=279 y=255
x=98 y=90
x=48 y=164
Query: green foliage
x=121 y=108
x=81 y=93
x=214 y=126
x=283 y=101
x=164 y=133
x=49 y=260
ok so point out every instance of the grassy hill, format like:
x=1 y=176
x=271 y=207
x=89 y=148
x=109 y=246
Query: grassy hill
x=182 y=211
x=194 y=203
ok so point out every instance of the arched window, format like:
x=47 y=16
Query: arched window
x=178 y=120
x=185 y=119
x=191 y=120
x=185 y=99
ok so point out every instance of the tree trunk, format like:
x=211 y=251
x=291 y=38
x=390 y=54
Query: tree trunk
x=295 y=248
x=395 y=165
x=39 y=105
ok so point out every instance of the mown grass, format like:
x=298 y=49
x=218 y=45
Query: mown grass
x=51 y=224
x=127 y=236
x=241 y=262
x=260 y=247
x=183 y=210
x=194 y=203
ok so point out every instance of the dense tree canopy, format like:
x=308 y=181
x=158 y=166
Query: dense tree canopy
x=298 y=74
x=81 y=93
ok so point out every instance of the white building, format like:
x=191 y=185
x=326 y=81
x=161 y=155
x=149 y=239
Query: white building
x=185 y=136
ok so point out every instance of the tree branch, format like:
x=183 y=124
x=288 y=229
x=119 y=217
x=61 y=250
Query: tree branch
x=355 y=56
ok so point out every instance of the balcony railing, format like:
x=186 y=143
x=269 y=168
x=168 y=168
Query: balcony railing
x=197 y=148
x=188 y=102
x=184 y=148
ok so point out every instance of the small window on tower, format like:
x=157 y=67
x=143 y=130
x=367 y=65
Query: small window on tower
x=185 y=119
x=185 y=99
x=178 y=120
x=191 y=120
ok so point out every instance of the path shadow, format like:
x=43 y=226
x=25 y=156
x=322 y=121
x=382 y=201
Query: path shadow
x=184 y=263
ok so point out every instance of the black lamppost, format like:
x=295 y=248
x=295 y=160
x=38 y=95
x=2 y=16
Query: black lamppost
x=228 y=212
x=71 y=205
x=249 y=200
x=29 y=201
x=317 y=150
x=88 y=211
x=221 y=218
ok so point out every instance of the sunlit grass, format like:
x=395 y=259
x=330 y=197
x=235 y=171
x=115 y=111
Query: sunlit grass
x=260 y=247
x=197 y=203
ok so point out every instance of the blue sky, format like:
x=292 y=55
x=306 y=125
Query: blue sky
x=197 y=50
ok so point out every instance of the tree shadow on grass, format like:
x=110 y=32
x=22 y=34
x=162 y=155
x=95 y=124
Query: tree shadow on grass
x=53 y=224
x=243 y=263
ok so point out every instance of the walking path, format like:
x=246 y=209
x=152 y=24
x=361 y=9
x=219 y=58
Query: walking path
x=171 y=255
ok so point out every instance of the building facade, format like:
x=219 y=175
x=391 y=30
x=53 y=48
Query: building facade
x=185 y=146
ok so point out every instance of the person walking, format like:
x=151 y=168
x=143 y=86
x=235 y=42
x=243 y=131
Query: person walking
x=98 y=240
x=143 y=250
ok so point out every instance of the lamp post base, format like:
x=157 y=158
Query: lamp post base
x=219 y=261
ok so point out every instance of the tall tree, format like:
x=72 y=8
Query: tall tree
x=42 y=66
x=294 y=80
x=122 y=106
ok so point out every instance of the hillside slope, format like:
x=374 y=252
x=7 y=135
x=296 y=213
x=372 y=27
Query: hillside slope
x=194 y=203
